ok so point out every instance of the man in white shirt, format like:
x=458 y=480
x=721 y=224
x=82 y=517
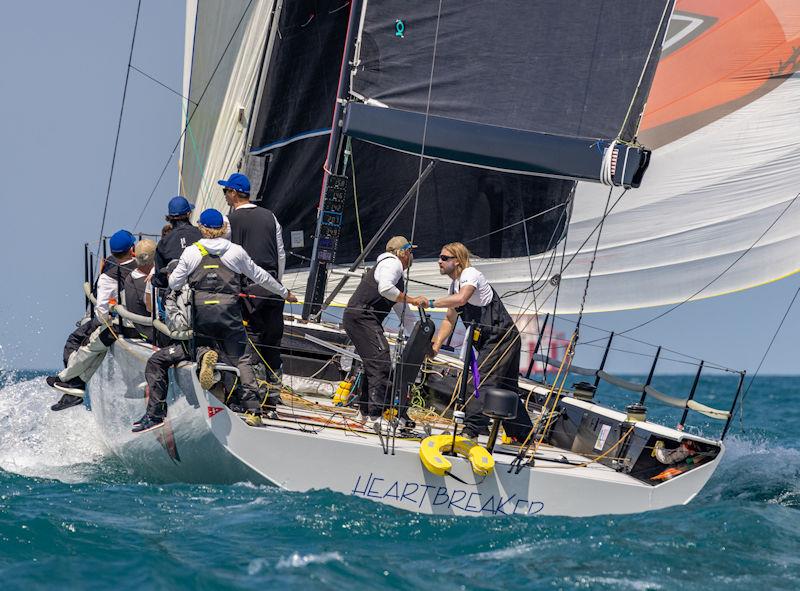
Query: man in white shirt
x=213 y=267
x=380 y=290
x=498 y=343
x=87 y=345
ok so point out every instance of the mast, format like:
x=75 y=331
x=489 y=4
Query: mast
x=317 y=277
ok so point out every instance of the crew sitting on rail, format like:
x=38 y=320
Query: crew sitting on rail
x=380 y=290
x=86 y=346
x=137 y=290
x=213 y=267
x=498 y=344
x=177 y=305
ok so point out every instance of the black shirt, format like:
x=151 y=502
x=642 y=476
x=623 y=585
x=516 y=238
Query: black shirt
x=171 y=247
x=255 y=230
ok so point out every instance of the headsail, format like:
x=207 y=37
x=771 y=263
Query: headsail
x=223 y=54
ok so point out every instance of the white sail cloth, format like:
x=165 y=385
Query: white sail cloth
x=215 y=140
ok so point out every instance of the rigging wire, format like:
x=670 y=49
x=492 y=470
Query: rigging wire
x=714 y=280
x=119 y=128
x=157 y=81
x=194 y=111
x=766 y=352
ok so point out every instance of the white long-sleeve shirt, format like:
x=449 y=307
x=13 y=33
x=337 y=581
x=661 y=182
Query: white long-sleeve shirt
x=107 y=290
x=388 y=271
x=232 y=256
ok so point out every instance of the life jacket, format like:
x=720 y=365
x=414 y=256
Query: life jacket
x=133 y=300
x=171 y=247
x=367 y=300
x=215 y=290
x=118 y=271
x=492 y=320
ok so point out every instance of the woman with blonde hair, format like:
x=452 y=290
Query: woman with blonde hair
x=498 y=342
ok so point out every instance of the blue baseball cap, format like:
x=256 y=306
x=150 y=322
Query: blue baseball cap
x=121 y=241
x=211 y=218
x=179 y=206
x=237 y=182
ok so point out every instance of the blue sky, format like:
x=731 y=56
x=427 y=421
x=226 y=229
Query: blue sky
x=63 y=66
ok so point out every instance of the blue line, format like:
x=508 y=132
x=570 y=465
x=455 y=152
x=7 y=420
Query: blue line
x=289 y=140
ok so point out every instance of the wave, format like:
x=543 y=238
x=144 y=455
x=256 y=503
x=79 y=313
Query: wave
x=755 y=468
x=36 y=442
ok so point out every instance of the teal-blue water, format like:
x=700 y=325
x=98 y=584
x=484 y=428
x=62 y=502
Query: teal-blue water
x=72 y=517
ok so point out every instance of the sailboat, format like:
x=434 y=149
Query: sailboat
x=590 y=155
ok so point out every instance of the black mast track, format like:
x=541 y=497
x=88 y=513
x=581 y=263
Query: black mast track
x=317 y=277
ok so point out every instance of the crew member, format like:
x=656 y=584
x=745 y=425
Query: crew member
x=380 y=290
x=257 y=230
x=86 y=346
x=178 y=309
x=498 y=345
x=181 y=234
x=136 y=295
x=212 y=267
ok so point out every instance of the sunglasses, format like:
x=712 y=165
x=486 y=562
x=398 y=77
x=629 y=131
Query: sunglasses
x=445 y=258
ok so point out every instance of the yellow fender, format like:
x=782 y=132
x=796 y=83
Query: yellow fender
x=430 y=452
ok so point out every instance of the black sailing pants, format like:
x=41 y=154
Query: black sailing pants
x=264 y=316
x=157 y=376
x=505 y=375
x=371 y=345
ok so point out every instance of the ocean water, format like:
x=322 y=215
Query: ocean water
x=71 y=516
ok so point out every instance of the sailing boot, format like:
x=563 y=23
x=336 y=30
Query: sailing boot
x=146 y=423
x=73 y=391
x=67 y=401
x=75 y=386
x=207 y=363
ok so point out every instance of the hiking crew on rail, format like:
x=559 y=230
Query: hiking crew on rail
x=213 y=267
x=87 y=345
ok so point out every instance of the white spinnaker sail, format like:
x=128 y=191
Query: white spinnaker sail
x=718 y=210
x=215 y=140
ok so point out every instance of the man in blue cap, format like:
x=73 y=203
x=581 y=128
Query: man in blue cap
x=183 y=234
x=213 y=267
x=86 y=346
x=257 y=230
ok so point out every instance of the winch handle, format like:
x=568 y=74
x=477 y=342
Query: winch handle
x=423 y=315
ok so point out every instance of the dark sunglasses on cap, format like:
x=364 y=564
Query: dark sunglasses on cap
x=445 y=258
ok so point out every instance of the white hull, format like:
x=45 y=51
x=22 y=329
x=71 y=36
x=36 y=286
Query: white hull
x=183 y=449
x=355 y=464
x=300 y=453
